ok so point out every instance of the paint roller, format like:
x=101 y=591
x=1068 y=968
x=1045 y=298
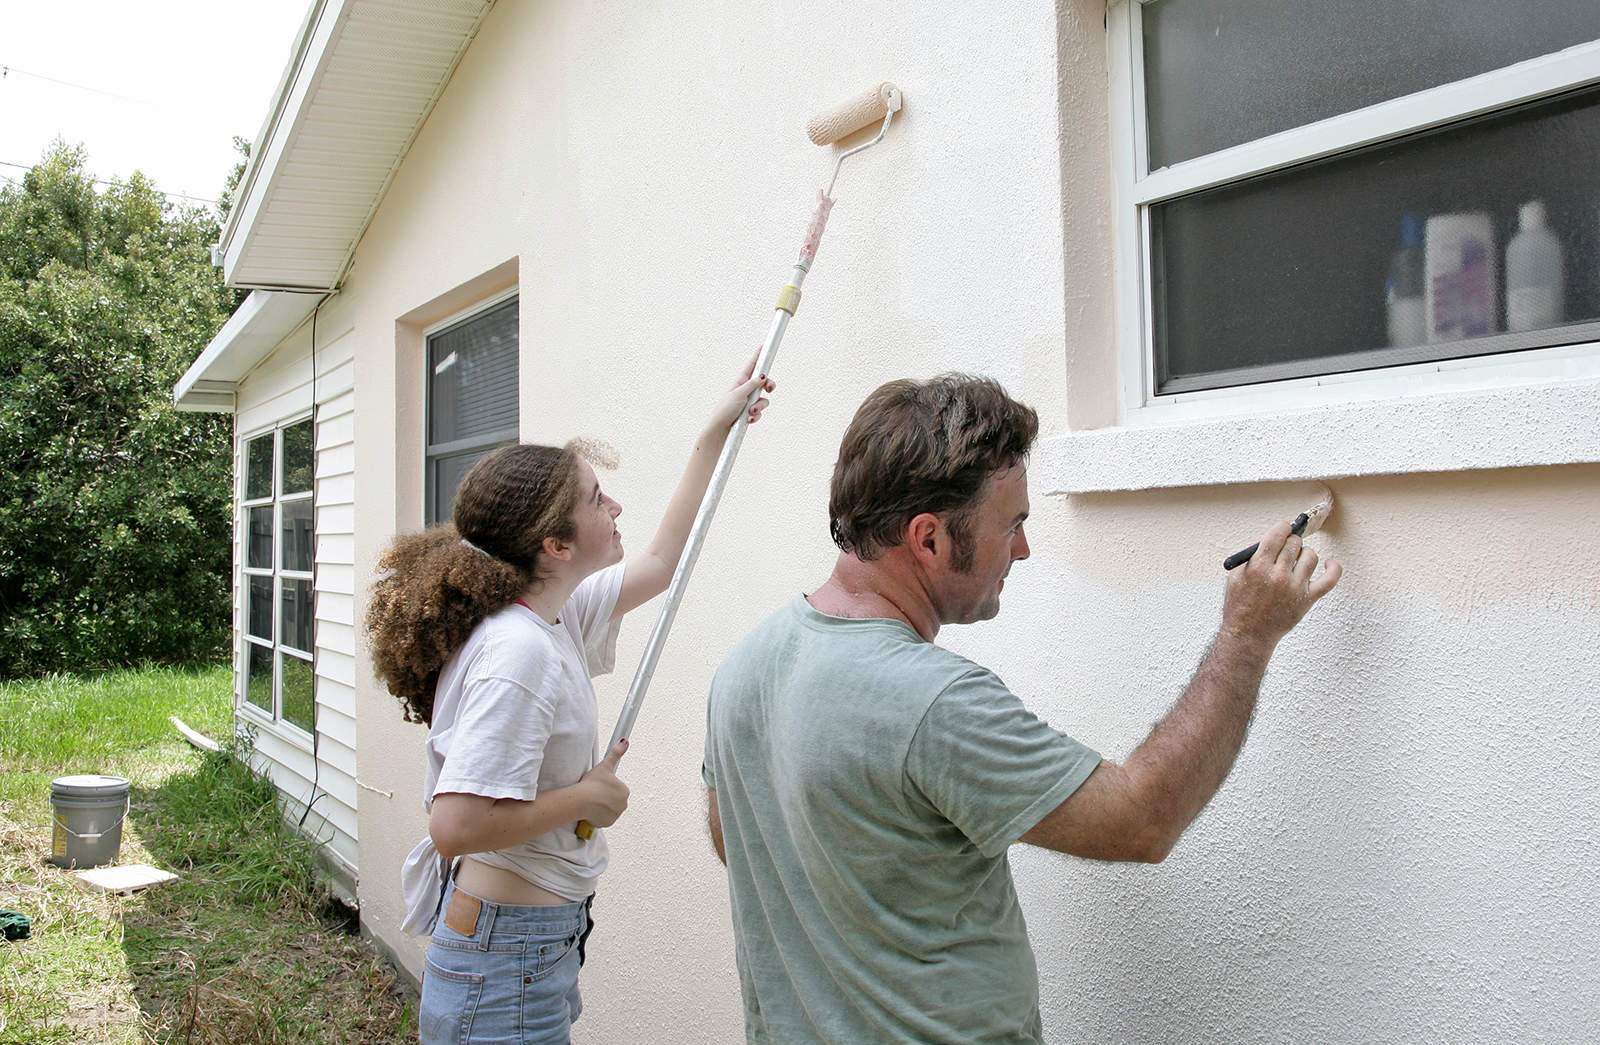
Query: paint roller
x=827 y=128
x=1305 y=524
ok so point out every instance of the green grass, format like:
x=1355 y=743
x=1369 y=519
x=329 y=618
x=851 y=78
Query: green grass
x=239 y=949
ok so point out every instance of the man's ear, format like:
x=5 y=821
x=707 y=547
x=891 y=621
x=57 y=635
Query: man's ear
x=926 y=538
x=556 y=548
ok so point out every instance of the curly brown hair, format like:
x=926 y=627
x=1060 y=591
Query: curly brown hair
x=433 y=588
x=924 y=446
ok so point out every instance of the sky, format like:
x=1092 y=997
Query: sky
x=160 y=86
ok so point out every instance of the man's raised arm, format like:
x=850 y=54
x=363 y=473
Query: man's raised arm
x=1138 y=810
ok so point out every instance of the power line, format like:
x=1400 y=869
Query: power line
x=118 y=184
x=7 y=70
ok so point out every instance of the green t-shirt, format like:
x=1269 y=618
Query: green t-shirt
x=869 y=785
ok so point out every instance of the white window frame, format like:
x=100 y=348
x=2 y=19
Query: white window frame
x=455 y=318
x=1137 y=189
x=275 y=719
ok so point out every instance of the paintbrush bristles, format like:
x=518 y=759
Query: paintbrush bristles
x=1318 y=513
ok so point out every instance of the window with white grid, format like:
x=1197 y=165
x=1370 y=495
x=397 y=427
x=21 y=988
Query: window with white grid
x=277 y=522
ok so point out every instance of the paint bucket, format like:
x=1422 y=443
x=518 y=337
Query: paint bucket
x=87 y=812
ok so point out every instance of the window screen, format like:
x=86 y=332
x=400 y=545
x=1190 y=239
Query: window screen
x=1411 y=251
x=472 y=399
x=1220 y=73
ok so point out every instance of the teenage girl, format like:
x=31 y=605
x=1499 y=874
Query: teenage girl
x=488 y=630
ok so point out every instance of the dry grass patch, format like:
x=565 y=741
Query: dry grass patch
x=246 y=947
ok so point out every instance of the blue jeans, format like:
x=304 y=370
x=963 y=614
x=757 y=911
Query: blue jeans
x=502 y=973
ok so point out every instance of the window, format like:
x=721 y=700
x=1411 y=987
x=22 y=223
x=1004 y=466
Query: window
x=278 y=523
x=1310 y=189
x=472 y=399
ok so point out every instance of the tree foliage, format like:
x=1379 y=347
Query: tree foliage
x=115 y=508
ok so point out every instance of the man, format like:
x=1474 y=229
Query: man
x=865 y=784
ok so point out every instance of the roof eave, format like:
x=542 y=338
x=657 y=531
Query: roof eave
x=249 y=336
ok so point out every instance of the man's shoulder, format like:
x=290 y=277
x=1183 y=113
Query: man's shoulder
x=761 y=641
x=888 y=649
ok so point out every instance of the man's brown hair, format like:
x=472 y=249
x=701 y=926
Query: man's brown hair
x=924 y=446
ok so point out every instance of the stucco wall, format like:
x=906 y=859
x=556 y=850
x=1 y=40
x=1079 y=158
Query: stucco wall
x=1406 y=847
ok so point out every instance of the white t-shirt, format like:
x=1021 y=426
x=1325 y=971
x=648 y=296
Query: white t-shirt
x=514 y=714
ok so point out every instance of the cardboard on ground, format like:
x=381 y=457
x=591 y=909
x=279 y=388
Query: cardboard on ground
x=126 y=879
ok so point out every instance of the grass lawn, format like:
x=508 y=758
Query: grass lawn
x=242 y=948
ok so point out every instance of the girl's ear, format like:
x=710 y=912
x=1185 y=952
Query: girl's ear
x=556 y=548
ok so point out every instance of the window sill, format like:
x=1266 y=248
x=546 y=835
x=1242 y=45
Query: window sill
x=290 y=734
x=1546 y=424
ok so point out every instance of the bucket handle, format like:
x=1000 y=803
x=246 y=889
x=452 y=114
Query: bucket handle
x=94 y=836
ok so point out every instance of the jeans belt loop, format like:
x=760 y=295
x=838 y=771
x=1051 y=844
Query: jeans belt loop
x=486 y=924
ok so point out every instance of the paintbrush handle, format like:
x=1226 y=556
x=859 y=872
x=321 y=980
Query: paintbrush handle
x=1243 y=555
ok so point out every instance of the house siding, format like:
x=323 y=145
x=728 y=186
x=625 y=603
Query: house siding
x=280 y=388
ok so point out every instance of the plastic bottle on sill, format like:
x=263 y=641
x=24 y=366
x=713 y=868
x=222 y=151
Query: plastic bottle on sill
x=1535 y=273
x=1404 y=291
x=1462 y=276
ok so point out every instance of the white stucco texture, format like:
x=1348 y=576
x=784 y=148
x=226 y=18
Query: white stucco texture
x=1407 y=848
x=1552 y=423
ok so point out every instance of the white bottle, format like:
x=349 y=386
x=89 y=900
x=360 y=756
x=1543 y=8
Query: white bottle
x=1535 y=274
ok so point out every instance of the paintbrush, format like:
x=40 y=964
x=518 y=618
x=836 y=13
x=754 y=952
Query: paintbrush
x=1305 y=524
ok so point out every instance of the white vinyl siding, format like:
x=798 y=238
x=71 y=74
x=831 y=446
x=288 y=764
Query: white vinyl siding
x=319 y=771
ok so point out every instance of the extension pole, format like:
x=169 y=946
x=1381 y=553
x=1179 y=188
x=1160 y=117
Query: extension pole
x=788 y=302
x=883 y=101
